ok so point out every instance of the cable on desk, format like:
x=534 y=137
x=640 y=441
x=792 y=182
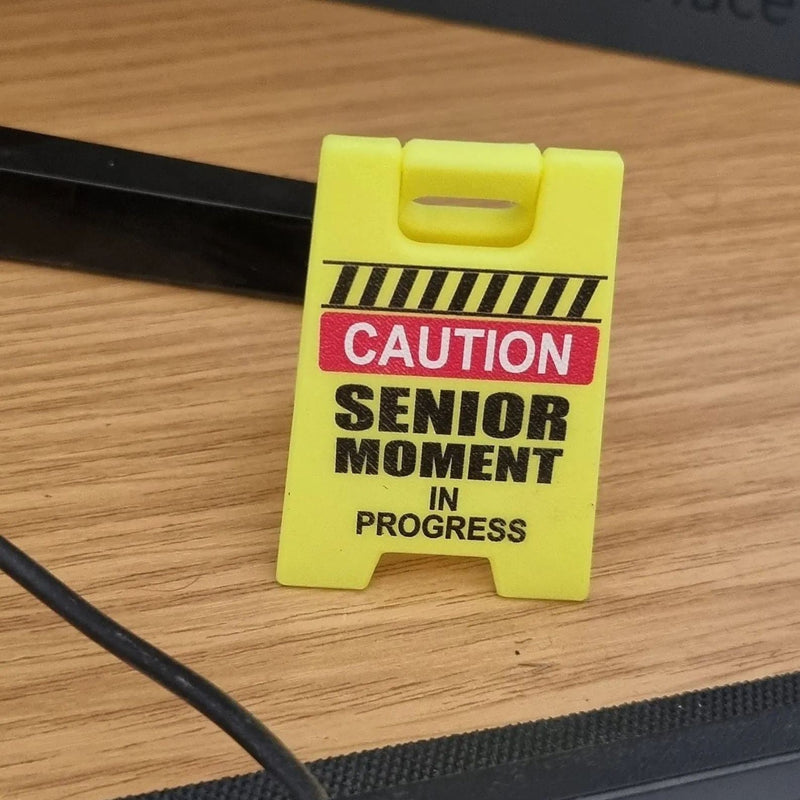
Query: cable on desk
x=207 y=698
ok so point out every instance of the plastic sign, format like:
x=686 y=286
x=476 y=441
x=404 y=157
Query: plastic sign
x=452 y=366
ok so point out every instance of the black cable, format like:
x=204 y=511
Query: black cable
x=208 y=699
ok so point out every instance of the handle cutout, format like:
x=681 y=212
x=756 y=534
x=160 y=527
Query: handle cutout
x=464 y=202
x=468 y=193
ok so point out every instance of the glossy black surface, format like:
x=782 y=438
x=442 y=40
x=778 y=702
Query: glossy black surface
x=118 y=212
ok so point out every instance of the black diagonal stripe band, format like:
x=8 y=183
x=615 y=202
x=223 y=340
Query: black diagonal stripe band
x=395 y=282
x=433 y=289
x=523 y=294
x=583 y=298
x=375 y=281
x=493 y=291
x=463 y=291
x=403 y=288
x=347 y=275
x=552 y=296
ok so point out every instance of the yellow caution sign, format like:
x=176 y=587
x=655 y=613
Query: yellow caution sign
x=452 y=367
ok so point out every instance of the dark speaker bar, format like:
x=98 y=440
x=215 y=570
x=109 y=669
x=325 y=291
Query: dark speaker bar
x=739 y=742
x=118 y=212
x=760 y=37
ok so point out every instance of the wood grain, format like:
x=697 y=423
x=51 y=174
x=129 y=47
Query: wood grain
x=144 y=429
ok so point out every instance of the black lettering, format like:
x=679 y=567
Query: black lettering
x=386 y=523
x=517 y=531
x=468 y=414
x=439 y=415
x=448 y=498
x=409 y=532
x=364 y=519
x=455 y=527
x=497 y=529
x=547 y=460
x=391 y=409
x=514 y=465
x=548 y=408
x=775 y=12
x=479 y=461
x=360 y=417
x=477 y=525
x=399 y=458
x=442 y=461
x=502 y=415
x=357 y=458
x=771 y=13
x=433 y=526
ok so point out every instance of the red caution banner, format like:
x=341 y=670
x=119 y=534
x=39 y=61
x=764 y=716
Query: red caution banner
x=394 y=344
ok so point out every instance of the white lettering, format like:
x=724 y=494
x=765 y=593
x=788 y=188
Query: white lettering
x=469 y=335
x=444 y=348
x=560 y=360
x=505 y=345
x=349 y=340
x=397 y=347
x=480 y=350
x=491 y=343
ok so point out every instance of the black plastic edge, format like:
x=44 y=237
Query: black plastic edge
x=756 y=38
x=135 y=215
x=735 y=742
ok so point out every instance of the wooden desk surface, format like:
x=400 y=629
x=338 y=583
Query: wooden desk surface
x=144 y=429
